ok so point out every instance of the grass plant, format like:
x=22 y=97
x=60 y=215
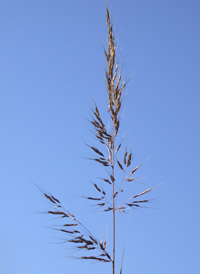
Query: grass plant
x=106 y=153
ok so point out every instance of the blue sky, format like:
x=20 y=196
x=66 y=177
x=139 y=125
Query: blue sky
x=52 y=68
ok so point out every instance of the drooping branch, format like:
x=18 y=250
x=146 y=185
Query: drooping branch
x=75 y=232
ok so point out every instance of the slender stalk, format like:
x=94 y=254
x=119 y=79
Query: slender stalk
x=113 y=198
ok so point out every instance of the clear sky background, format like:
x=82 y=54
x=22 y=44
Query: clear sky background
x=52 y=67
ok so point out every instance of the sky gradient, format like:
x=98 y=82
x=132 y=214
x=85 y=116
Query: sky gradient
x=52 y=70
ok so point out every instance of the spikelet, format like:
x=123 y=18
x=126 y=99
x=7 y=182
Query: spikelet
x=121 y=167
x=137 y=167
x=129 y=160
x=125 y=157
x=118 y=148
x=144 y=192
x=130 y=179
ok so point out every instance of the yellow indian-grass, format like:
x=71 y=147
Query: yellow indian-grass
x=73 y=230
